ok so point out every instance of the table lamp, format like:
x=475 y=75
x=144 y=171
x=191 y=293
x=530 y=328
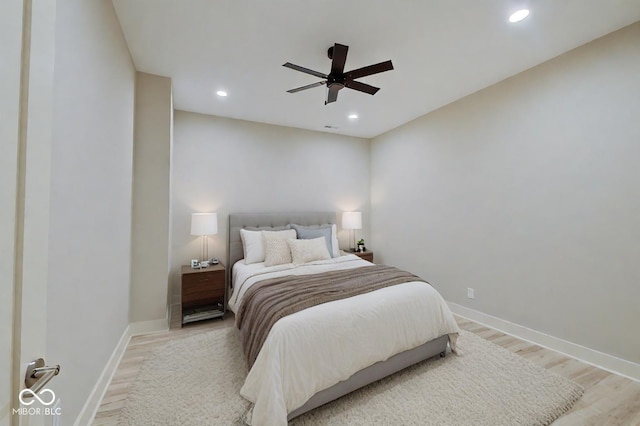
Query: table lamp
x=352 y=221
x=204 y=224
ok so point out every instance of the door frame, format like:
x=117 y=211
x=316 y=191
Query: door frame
x=29 y=135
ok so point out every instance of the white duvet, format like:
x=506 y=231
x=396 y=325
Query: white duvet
x=318 y=347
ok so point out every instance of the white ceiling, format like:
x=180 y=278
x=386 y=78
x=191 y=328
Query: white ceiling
x=442 y=50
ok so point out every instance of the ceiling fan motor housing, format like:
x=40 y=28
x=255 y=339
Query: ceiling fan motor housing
x=335 y=81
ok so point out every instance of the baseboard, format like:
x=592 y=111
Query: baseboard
x=593 y=357
x=92 y=404
x=90 y=408
x=146 y=327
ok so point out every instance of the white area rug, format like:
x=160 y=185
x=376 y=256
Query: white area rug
x=196 y=381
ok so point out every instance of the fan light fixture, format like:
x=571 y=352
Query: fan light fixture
x=518 y=15
x=221 y=93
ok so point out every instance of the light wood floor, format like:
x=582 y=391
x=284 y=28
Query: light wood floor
x=609 y=399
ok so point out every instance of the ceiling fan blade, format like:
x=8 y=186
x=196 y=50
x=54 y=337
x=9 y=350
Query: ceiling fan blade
x=304 y=70
x=339 y=58
x=332 y=96
x=361 y=87
x=369 y=70
x=308 y=86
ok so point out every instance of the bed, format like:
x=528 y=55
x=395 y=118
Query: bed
x=323 y=352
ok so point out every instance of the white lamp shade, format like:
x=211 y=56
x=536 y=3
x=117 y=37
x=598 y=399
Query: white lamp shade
x=352 y=220
x=204 y=223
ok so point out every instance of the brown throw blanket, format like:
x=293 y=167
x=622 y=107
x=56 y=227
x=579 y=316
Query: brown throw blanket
x=267 y=301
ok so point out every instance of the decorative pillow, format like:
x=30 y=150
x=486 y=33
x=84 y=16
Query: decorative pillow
x=303 y=251
x=252 y=245
x=277 y=252
x=277 y=249
x=316 y=231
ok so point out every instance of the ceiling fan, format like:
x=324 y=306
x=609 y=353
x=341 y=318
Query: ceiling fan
x=337 y=79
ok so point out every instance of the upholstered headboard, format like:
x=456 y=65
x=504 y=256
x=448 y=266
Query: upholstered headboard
x=238 y=221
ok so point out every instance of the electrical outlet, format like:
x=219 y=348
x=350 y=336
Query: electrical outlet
x=470 y=293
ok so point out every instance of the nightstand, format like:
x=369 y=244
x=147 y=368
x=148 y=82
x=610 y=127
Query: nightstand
x=203 y=293
x=366 y=255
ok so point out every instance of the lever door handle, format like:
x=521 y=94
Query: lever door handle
x=38 y=374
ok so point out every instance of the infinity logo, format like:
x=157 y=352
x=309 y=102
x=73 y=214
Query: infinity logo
x=22 y=393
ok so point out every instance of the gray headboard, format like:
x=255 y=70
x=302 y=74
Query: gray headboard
x=238 y=221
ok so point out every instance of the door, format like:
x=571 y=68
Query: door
x=27 y=41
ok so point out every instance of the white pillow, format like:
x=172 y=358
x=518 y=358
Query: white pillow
x=253 y=243
x=252 y=246
x=277 y=249
x=303 y=251
x=277 y=252
x=334 y=241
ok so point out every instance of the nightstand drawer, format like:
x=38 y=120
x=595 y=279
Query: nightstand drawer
x=203 y=277
x=202 y=298
x=217 y=290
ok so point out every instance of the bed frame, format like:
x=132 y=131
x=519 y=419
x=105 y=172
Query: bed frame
x=266 y=221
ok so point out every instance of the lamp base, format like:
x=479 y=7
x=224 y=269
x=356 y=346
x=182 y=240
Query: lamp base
x=352 y=239
x=205 y=248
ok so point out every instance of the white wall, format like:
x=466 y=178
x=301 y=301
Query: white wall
x=91 y=178
x=529 y=192
x=151 y=198
x=229 y=166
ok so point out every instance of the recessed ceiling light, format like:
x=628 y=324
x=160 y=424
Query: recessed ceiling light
x=221 y=93
x=518 y=15
x=353 y=116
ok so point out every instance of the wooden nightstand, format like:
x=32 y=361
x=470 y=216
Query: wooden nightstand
x=366 y=255
x=203 y=293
